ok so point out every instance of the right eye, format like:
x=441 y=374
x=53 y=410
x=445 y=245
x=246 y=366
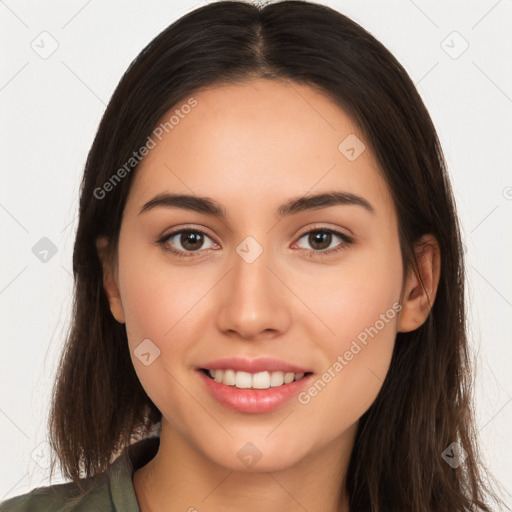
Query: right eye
x=191 y=241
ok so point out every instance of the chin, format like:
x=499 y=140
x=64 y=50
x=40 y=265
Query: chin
x=255 y=454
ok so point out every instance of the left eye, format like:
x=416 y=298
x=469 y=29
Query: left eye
x=321 y=240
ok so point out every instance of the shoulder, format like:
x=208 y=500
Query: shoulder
x=110 y=491
x=60 y=498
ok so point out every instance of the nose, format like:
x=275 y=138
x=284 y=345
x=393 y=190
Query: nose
x=252 y=299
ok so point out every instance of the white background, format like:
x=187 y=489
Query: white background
x=50 y=111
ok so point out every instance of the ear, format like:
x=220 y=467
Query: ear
x=110 y=283
x=418 y=298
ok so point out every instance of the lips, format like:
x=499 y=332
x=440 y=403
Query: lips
x=253 y=386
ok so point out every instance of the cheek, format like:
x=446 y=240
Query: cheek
x=157 y=299
x=164 y=304
x=359 y=303
x=160 y=305
x=147 y=308
x=353 y=296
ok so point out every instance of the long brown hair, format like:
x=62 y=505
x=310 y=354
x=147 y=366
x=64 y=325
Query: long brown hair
x=99 y=407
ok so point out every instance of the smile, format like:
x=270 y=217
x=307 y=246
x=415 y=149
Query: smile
x=239 y=391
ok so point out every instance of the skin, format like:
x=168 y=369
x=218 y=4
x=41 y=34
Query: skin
x=251 y=147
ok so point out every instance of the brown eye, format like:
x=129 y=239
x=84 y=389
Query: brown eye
x=191 y=240
x=186 y=241
x=320 y=241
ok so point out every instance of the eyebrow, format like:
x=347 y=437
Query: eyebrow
x=295 y=205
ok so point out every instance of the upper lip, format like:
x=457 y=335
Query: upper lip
x=262 y=364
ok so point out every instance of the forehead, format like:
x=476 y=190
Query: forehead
x=258 y=140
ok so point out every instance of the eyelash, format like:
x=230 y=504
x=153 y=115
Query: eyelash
x=346 y=241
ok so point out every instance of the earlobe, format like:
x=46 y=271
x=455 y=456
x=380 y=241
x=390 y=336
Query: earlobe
x=110 y=285
x=421 y=285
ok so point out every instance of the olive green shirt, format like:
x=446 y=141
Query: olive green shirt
x=110 y=491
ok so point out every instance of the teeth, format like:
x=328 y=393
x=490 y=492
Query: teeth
x=228 y=378
x=260 y=380
x=243 y=380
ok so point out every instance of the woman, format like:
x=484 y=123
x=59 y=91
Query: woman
x=269 y=276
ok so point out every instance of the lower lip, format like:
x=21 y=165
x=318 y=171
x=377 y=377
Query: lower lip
x=253 y=401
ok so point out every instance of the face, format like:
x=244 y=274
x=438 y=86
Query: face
x=314 y=287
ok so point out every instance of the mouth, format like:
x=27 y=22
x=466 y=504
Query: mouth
x=254 y=381
x=258 y=385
